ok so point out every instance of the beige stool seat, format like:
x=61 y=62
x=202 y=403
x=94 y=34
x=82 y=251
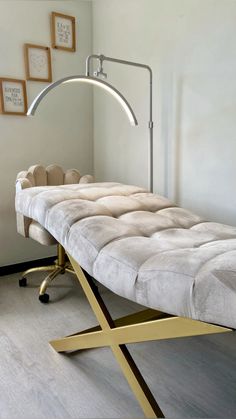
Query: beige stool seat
x=38 y=176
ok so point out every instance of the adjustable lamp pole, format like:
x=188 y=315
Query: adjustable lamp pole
x=102 y=58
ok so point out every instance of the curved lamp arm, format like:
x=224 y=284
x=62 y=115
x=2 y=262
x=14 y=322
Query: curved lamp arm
x=90 y=80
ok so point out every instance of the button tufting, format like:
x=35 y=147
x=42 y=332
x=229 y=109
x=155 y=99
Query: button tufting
x=142 y=246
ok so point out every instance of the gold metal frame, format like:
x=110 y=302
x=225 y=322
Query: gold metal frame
x=60 y=266
x=139 y=327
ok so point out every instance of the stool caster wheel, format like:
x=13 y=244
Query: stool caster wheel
x=44 y=298
x=22 y=282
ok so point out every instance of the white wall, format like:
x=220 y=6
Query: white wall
x=190 y=45
x=61 y=131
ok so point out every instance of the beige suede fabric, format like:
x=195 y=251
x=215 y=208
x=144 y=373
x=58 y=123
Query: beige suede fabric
x=142 y=247
x=38 y=175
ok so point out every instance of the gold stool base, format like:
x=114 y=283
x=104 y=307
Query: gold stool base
x=59 y=267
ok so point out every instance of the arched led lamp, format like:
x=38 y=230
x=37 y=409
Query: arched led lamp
x=90 y=80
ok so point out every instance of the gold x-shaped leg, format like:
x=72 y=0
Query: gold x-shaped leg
x=145 y=326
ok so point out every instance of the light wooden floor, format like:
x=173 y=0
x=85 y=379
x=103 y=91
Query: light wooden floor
x=193 y=377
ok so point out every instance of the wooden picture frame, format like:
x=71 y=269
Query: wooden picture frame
x=38 y=63
x=13 y=97
x=63 y=32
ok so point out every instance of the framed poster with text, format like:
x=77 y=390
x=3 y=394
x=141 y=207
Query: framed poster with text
x=63 y=32
x=13 y=97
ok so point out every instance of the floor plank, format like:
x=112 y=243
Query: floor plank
x=192 y=377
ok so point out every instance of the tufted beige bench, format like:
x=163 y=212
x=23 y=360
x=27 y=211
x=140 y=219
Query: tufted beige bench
x=144 y=248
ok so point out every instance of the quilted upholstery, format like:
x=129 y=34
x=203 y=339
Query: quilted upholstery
x=142 y=246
